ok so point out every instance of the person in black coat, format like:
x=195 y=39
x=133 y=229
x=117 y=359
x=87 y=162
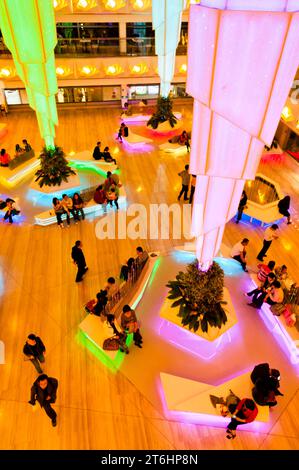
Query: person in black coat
x=35 y=350
x=284 y=206
x=97 y=154
x=101 y=303
x=266 y=384
x=242 y=205
x=79 y=260
x=44 y=390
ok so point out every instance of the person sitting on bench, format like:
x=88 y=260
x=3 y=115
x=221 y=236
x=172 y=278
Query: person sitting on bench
x=4 y=158
x=107 y=156
x=142 y=257
x=97 y=154
x=259 y=294
x=239 y=252
x=127 y=269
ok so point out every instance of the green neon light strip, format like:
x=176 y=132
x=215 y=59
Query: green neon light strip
x=90 y=167
x=99 y=353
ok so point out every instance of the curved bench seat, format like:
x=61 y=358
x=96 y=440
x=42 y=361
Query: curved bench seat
x=11 y=177
x=48 y=217
x=96 y=330
x=175 y=149
x=287 y=336
x=189 y=396
x=136 y=140
x=85 y=159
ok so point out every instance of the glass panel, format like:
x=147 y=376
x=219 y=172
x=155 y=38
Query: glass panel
x=182 y=46
x=143 y=92
x=12 y=97
x=178 y=90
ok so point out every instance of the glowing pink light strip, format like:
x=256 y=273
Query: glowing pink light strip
x=283 y=338
x=191 y=342
x=201 y=418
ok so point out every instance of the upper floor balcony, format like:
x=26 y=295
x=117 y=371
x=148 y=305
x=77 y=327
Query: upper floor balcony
x=103 y=47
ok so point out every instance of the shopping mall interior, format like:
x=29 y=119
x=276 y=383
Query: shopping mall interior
x=127 y=315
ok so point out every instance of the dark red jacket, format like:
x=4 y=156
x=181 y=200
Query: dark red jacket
x=249 y=415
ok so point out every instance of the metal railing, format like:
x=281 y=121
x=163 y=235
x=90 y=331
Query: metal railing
x=124 y=289
x=102 y=47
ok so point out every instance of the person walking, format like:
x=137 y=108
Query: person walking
x=269 y=236
x=284 y=207
x=129 y=325
x=185 y=183
x=79 y=260
x=238 y=252
x=35 y=350
x=44 y=390
x=242 y=206
x=192 y=189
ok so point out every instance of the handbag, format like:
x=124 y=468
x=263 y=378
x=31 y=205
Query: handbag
x=89 y=306
x=111 y=344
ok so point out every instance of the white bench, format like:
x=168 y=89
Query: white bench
x=270 y=215
x=10 y=178
x=85 y=159
x=97 y=330
x=266 y=213
x=142 y=117
x=189 y=396
x=135 y=140
x=287 y=336
x=175 y=149
x=48 y=217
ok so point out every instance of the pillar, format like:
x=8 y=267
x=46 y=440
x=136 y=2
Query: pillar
x=242 y=58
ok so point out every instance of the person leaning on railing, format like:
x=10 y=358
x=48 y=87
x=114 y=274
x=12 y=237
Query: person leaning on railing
x=126 y=271
x=142 y=257
x=112 y=289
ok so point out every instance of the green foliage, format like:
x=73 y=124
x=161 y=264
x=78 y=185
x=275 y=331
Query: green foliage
x=54 y=168
x=163 y=113
x=199 y=294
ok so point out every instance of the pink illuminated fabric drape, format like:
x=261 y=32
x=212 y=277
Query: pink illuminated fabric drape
x=241 y=64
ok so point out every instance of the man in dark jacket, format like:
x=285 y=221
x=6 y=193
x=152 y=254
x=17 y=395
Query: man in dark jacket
x=97 y=154
x=79 y=260
x=44 y=390
x=35 y=350
x=266 y=379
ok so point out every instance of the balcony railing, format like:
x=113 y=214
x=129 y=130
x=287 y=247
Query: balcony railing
x=103 y=47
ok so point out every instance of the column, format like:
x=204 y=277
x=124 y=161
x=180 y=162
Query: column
x=242 y=59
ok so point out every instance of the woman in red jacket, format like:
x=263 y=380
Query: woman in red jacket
x=246 y=412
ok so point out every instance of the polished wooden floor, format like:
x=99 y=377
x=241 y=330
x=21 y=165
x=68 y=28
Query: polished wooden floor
x=96 y=408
